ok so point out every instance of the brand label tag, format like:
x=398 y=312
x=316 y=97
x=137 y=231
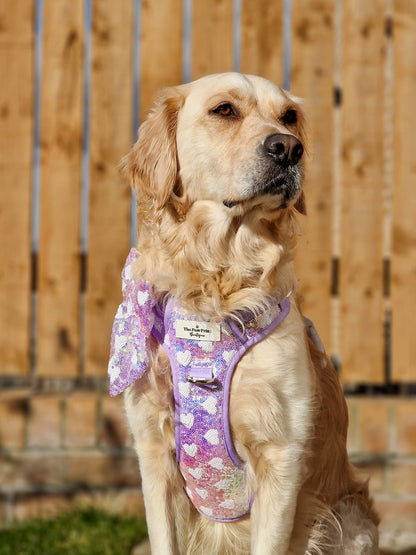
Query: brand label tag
x=198 y=331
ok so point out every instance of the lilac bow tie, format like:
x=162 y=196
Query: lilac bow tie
x=132 y=328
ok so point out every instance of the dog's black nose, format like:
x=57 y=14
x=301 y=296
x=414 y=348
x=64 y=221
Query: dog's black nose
x=284 y=148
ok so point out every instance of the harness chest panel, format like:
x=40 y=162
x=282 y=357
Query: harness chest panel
x=202 y=370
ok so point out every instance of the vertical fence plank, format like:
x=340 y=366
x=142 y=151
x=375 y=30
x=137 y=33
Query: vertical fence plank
x=110 y=138
x=403 y=288
x=312 y=79
x=362 y=165
x=212 y=37
x=160 y=47
x=262 y=39
x=58 y=335
x=16 y=149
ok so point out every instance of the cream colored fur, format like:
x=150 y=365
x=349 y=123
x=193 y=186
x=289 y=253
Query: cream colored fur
x=288 y=415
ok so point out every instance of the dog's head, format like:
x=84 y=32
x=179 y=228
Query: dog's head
x=234 y=139
x=218 y=173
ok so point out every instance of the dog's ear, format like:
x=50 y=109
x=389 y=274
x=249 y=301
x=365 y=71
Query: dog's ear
x=151 y=165
x=300 y=204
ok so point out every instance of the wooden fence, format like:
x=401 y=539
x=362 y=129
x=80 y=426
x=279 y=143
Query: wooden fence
x=77 y=75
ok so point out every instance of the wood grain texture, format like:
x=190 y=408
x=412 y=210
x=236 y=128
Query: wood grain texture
x=361 y=292
x=58 y=332
x=362 y=164
x=160 y=48
x=212 y=37
x=403 y=288
x=16 y=152
x=312 y=78
x=262 y=39
x=110 y=198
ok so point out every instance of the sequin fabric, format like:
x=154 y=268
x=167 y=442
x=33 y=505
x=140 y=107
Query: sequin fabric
x=215 y=477
x=132 y=328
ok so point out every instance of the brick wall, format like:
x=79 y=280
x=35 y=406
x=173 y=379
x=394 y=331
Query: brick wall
x=58 y=449
x=382 y=442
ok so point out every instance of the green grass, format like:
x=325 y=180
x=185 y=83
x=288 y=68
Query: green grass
x=82 y=532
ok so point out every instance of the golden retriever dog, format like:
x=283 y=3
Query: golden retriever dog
x=218 y=170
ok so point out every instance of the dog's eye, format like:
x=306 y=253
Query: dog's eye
x=225 y=110
x=290 y=117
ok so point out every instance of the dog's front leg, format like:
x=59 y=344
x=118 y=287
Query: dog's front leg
x=278 y=479
x=158 y=502
x=153 y=442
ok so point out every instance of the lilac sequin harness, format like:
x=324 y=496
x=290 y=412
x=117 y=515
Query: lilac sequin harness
x=203 y=356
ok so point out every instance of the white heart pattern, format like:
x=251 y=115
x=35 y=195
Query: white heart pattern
x=184 y=388
x=228 y=355
x=119 y=342
x=187 y=420
x=195 y=472
x=210 y=405
x=128 y=308
x=217 y=463
x=212 y=437
x=142 y=297
x=184 y=357
x=223 y=485
x=127 y=272
x=191 y=449
x=207 y=346
x=203 y=494
x=227 y=504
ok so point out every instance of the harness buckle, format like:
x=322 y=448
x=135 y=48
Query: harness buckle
x=197 y=380
x=200 y=375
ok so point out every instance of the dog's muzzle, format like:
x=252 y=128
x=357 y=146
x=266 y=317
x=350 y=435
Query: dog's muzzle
x=284 y=175
x=282 y=153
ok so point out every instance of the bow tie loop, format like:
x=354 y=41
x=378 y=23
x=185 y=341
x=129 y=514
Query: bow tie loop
x=132 y=330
